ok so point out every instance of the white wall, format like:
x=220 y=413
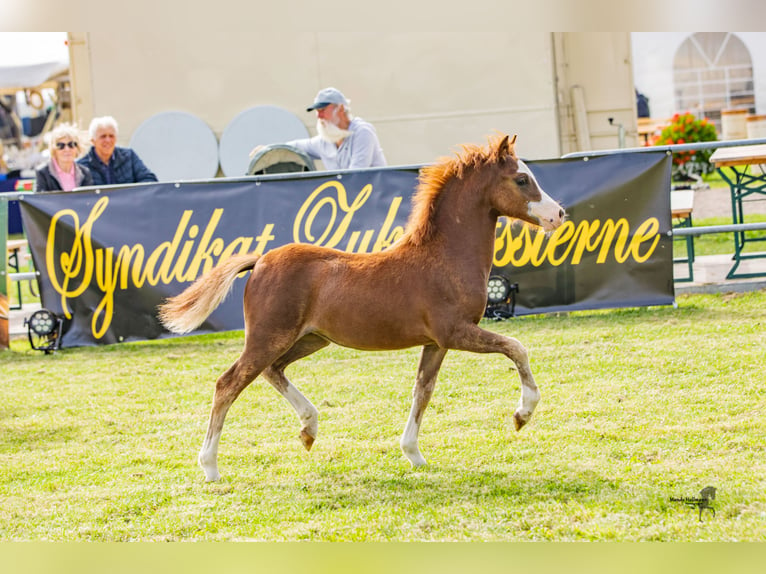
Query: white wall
x=426 y=93
x=598 y=65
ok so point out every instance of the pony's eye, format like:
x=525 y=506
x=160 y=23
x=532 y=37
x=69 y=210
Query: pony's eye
x=521 y=179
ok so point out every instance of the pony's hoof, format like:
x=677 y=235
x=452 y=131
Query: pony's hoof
x=213 y=476
x=306 y=439
x=416 y=459
x=210 y=468
x=519 y=421
x=421 y=462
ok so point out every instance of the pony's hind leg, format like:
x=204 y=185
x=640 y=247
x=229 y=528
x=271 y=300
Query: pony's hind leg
x=275 y=374
x=258 y=354
x=227 y=388
x=430 y=362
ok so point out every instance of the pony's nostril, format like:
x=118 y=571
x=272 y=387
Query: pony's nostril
x=561 y=214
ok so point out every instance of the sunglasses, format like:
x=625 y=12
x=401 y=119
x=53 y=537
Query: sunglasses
x=62 y=145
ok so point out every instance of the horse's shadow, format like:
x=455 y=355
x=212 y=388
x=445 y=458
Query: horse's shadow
x=435 y=484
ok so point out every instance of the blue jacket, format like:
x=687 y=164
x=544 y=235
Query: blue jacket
x=124 y=167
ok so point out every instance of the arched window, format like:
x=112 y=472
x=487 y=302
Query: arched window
x=713 y=71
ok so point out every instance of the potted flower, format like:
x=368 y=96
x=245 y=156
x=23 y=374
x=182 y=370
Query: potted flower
x=686 y=128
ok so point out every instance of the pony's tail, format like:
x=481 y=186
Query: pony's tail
x=189 y=309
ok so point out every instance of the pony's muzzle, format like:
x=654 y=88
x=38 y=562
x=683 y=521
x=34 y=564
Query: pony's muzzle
x=549 y=214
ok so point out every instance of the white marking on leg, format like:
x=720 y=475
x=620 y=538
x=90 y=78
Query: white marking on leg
x=530 y=393
x=208 y=457
x=306 y=411
x=409 y=440
x=528 y=401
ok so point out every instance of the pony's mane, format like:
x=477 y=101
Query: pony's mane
x=433 y=178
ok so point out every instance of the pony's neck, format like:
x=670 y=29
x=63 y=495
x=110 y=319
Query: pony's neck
x=464 y=224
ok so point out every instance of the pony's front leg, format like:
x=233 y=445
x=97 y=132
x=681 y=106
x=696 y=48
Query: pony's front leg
x=530 y=393
x=430 y=362
x=473 y=338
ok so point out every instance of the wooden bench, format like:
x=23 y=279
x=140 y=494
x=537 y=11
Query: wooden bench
x=746 y=177
x=681 y=207
x=15 y=259
x=647 y=127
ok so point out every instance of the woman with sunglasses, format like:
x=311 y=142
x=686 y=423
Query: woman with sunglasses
x=62 y=173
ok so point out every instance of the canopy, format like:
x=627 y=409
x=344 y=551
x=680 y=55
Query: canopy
x=28 y=59
x=31 y=75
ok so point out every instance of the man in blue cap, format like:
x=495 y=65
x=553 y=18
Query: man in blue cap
x=343 y=141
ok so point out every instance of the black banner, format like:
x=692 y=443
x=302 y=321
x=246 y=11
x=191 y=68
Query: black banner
x=107 y=257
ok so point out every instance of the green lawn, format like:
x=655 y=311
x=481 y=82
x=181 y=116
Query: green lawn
x=639 y=406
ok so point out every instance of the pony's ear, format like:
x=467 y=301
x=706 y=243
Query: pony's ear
x=512 y=146
x=503 y=147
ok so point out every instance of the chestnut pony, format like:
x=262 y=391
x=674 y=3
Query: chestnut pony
x=429 y=289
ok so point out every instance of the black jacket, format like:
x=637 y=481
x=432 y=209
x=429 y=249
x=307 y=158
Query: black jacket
x=46 y=179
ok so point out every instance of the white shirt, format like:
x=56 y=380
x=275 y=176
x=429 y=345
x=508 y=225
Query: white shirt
x=360 y=149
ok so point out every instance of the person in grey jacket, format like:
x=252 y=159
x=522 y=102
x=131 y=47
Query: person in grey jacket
x=62 y=173
x=110 y=164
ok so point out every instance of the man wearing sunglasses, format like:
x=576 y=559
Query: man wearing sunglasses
x=109 y=163
x=62 y=173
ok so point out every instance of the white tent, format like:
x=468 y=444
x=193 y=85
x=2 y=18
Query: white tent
x=30 y=75
x=28 y=59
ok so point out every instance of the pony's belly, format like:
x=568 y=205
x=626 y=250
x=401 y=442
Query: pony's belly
x=374 y=337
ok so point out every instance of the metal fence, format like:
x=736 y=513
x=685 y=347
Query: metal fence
x=669 y=149
x=585 y=155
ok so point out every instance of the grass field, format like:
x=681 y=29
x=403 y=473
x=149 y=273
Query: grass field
x=639 y=406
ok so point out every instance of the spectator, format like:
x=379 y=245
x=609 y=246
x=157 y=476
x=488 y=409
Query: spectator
x=343 y=141
x=109 y=163
x=642 y=105
x=62 y=173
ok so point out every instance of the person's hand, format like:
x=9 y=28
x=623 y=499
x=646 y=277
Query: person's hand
x=255 y=150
